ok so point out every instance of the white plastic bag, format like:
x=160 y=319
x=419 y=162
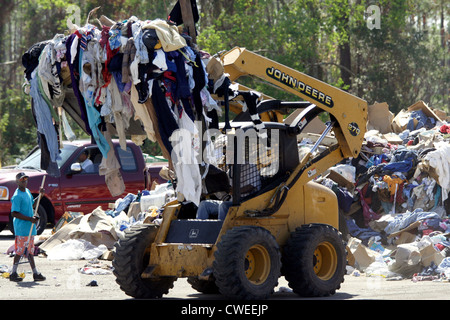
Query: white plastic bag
x=379 y=268
x=75 y=249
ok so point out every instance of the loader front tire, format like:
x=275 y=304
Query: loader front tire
x=314 y=260
x=131 y=256
x=247 y=263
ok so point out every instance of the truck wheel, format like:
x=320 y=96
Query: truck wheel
x=247 y=263
x=41 y=224
x=314 y=260
x=43 y=218
x=131 y=256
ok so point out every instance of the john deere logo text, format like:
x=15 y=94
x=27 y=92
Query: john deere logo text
x=300 y=86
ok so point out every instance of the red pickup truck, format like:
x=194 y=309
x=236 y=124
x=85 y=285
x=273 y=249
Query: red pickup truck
x=74 y=190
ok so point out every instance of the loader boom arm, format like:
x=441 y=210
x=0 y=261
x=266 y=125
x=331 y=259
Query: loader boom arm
x=349 y=111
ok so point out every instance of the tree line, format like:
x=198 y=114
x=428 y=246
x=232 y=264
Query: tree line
x=382 y=51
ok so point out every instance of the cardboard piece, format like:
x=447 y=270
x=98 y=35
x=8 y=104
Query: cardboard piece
x=392 y=138
x=340 y=180
x=400 y=121
x=65 y=219
x=95 y=227
x=429 y=254
x=380 y=224
x=405 y=237
x=411 y=227
x=379 y=117
x=362 y=255
x=420 y=105
x=134 y=210
x=441 y=114
x=61 y=235
x=407 y=254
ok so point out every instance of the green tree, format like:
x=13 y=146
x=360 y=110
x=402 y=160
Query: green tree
x=404 y=61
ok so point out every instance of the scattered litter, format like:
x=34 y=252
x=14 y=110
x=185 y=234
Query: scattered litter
x=95 y=267
x=93 y=283
x=285 y=289
x=397 y=223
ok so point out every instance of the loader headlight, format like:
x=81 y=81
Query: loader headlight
x=4 y=193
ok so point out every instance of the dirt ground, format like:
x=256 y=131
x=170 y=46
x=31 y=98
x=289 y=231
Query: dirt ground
x=64 y=279
x=66 y=282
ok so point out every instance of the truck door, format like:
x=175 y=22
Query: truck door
x=84 y=191
x=132 y=168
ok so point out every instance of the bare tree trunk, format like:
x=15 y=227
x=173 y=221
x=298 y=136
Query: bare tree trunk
x=345 y=61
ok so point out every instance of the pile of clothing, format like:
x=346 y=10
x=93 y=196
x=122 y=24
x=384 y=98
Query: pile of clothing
x=135 y=77
x=396 y=195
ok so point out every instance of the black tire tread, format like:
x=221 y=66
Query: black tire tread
x=128 y=264
x=229 y=260
x=297 y=266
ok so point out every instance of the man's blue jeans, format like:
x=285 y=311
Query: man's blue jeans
x=213 y=207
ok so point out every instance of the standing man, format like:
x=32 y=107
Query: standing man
x=22 y=212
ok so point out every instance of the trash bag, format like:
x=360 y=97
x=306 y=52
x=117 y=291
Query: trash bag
x=76 y=249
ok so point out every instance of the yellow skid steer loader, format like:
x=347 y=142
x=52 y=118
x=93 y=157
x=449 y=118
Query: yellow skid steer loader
x=289 y=227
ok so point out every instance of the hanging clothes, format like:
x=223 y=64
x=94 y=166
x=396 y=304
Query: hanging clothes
x=223 y=91
x=184 y=158
x=170 y=39
x=44 y=120
x=93 y=114
x=251 y=99
x=49 y=74
x=176 y=17
x=166 y=121
x=73 y=67
x=200 y=83
x=152 y=113
x=141 y=50
x=110 y=167
x=30 y=59
x=129 y=53
x=120 y=107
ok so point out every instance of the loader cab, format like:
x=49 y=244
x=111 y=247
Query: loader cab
x=262 y=158
x=275 y=150
x=269 y=155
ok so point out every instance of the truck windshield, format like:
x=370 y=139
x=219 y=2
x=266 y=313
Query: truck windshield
x=33 y=161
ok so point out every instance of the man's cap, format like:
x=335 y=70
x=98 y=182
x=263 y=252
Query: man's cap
x=21 y=175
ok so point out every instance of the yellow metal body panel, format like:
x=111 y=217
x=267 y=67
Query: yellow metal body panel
x=309 y=203
x=180 y=260
x=321 y=205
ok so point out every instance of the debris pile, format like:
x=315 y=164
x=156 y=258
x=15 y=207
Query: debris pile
x=93 y=235
x=393 y=198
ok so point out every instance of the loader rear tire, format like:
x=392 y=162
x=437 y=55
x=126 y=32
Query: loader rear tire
x=247 y=263
x=314 y=260
x=131 y=256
